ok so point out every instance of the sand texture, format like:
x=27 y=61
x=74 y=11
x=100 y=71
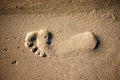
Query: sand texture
x=59 y=40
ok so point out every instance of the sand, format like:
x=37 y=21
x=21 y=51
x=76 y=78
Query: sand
x=57 y=29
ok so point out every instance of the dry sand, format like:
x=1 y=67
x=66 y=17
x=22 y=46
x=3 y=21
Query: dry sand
x=70 y=53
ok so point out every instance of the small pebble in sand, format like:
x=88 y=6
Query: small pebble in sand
x=14 y=62
x=5 y=49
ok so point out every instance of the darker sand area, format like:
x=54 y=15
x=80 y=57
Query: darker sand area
x=64 y=19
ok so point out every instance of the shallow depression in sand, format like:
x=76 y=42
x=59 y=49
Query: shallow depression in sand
x=39 y=41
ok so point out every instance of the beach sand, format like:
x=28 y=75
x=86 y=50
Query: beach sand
x=75 y=40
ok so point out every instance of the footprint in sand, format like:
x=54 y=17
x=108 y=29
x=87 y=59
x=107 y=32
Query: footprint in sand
x=85 y=42
x=39 y=42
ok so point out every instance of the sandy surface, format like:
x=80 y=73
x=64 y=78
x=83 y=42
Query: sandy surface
x=64 y=19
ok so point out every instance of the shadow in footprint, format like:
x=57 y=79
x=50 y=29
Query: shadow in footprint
x=97 y=44
x=49 y=38
x=34 y=38
x=30 y=44
x=44 y=55
x=34 y=49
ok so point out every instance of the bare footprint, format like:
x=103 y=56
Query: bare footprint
x=39 y=42
x=84 y=42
